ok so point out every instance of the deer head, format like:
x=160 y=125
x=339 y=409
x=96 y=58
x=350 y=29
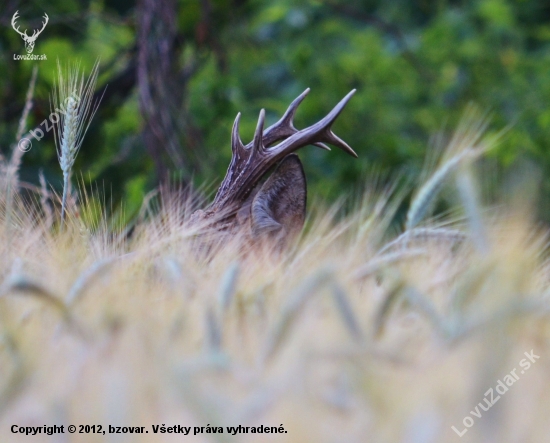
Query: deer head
x=272 y=207
x=29 y=40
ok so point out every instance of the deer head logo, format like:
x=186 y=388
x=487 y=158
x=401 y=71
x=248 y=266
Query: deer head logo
x=274 y=207
x=29 y=40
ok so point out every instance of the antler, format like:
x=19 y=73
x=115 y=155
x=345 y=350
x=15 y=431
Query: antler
x=36 y=33
x=249 y=163
x=13 y=20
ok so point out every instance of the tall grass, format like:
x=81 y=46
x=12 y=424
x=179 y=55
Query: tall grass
x=359 y=332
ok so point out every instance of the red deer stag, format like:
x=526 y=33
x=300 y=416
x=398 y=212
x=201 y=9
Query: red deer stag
x=274 y=208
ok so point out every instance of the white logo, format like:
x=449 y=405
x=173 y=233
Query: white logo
x=29 y=40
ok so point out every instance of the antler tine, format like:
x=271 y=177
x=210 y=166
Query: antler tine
x=288 y=116
x=237 y=145
x=258 y=142
x=239 y=153
x=319 y=132
x=285 y=126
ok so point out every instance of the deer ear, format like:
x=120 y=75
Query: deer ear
x=279 y=207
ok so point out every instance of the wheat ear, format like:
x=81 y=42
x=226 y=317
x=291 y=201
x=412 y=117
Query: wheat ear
x=73 y=103
x=465 y=147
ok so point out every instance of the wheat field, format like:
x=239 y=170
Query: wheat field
x=434 y=329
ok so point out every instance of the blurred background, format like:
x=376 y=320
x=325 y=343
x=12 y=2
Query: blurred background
x=178 y=71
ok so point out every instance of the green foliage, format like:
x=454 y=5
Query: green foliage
x=416 y=66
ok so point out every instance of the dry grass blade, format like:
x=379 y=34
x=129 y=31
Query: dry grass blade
x=346 y=311
x=420 y=301
x=291 y=311
x=394 y=294
x=18 y=283
x=470 y=286
x=467 y=190
x=27 y=287
x=213 y=331
x=87 y=277
x=402 y=291
x=228 y=286
x=172 y=269
x=23 y=286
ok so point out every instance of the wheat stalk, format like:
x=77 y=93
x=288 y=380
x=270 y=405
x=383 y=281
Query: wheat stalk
x=17 y=154
x=73 y=103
